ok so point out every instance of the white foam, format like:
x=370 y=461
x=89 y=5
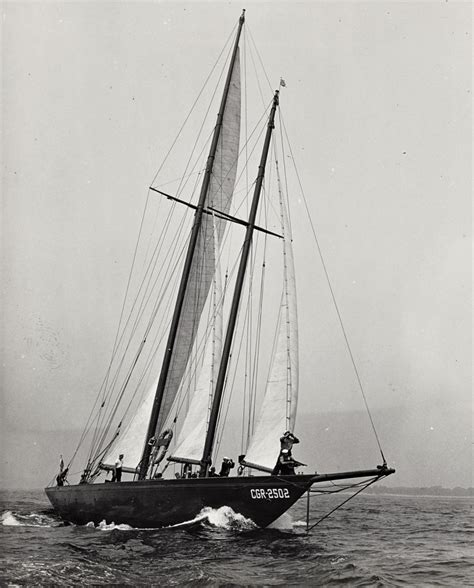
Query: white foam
x=225 y=518
x=197 y=519
x=104 y=526
x=8 y=519
x=283 y=523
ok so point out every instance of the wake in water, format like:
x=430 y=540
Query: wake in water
x=222 y=518
x=11 y=519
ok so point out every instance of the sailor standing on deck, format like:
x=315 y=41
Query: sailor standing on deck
x=285 y=464
x=117 y=475
x=227 y=465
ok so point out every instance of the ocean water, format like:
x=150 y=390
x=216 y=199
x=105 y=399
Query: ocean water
x=374 y=541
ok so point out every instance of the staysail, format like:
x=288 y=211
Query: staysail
x=278 y=410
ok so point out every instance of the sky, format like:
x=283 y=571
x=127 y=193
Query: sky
x=378 y=107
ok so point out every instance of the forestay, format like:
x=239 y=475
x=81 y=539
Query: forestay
x=278 y=410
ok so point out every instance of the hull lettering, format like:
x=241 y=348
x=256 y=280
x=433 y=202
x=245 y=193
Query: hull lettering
x=269 y=493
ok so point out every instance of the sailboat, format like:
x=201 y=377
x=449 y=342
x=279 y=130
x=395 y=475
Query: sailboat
x=167 y=446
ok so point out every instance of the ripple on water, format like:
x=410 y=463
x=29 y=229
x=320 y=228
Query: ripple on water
x=379 y=541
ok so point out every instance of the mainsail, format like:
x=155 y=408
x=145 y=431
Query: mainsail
x=278 y=410
x=193 y=432
x=219 y=198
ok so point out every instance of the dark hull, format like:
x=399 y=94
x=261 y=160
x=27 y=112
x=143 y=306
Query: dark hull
x=161 y=503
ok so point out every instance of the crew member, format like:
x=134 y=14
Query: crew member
x=61 y=477
x=285 y=464
x=287 y=440
x=227 y=465
x=117 y=474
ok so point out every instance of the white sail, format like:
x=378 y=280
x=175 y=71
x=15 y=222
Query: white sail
x=219 y=198
x=190 y=445
x=193 y=433
x=131 y=440
x=278 y=410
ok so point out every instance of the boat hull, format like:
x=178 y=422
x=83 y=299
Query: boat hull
x=161 y=503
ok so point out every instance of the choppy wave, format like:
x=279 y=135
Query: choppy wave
x=34 y=519
x=381 y=541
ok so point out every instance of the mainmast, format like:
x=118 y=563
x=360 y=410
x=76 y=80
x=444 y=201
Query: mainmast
x=209 y=444
x=144 y=464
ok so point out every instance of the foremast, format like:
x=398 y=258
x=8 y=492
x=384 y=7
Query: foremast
x=216 y=403
x=151 y=431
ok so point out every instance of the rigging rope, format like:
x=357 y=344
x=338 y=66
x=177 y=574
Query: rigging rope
x=116 y=343
x=142 y=300
x=366 y=485
x=143 y=304
x=282 y=126
x=104 y=384
x=107 y=395
x=165 y=285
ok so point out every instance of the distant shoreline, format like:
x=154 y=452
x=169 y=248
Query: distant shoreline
x=421 y=491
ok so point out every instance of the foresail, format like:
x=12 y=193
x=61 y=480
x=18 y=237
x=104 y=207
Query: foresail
x=130 y=441
x=278 y=410
x=219 y=197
